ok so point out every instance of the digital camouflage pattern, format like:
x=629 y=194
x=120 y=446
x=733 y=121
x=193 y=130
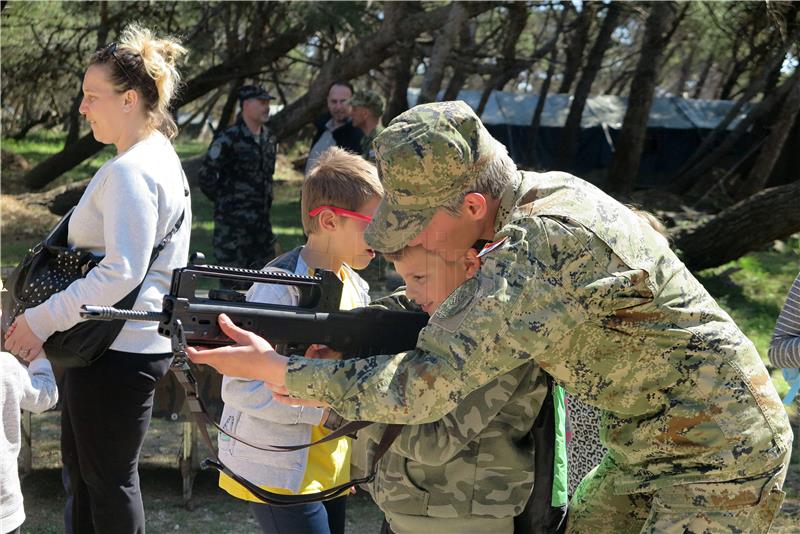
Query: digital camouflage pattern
x=236 y=174
x=474 y=462
x=591 y=292
x=445 y=141
x=743 y=505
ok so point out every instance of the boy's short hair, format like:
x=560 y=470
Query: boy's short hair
x=338 y=179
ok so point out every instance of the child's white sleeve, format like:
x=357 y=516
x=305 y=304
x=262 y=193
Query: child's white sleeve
x=252 y=396
x=39 y=391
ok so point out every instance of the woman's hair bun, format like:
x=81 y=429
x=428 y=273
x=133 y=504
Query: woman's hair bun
x=159 y=55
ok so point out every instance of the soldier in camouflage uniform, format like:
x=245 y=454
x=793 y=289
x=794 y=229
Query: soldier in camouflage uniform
x=366 y=115
x=236 y=174
x=697 y=437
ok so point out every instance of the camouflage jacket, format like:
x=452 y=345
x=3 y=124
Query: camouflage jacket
x=592 y=293
x=237 y=170
x=476 y=460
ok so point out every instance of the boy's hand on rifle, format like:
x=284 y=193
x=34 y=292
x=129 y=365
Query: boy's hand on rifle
x=251 y=357
x=322 y=352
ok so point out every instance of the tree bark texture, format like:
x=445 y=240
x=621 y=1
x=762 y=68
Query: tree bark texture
x=768 y=157
x=467 y=46
x=401 y=78
x=576 y=40
x=517 y=19
x=536 y=120
x=695 y=164
x=572 y=126
x=744 y=227
x=443 y=45
x=699 y=178
x=630 y=144
x=229 y=108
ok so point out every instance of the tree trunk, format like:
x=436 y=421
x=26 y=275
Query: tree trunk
x=59 y=199
x=442 y=47
x=701 y=80
x=229 y=108
x=572 y=126
x=576 y=44
x=693 y=168
x=624 y=169
x=536 y=120
x=467 y=47
x=744 y=227
x=517 y=19
x=765 y=163
x=401 y=78
x=683 y=77
x=74 y=120
x=700 y=178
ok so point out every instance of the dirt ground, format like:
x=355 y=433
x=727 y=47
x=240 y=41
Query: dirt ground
x=213 y=510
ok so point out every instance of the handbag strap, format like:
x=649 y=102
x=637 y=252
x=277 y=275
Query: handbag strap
x=198 y=410
x=168 y=237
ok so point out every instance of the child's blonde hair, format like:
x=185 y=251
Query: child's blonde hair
x=338 y=179
x=654 y=222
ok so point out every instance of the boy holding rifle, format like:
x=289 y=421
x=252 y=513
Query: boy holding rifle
x=339 y=196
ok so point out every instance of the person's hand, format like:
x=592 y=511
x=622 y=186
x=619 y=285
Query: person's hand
x=252 y=357
x=322 y=352
x=285 y=398
x=21 y=341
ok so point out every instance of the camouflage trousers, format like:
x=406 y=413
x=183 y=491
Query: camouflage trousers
x=737 y=506
x=243 y=246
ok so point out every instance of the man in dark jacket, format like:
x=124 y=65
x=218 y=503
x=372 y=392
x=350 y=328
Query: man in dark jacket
x=335 y=128
x=236 y=174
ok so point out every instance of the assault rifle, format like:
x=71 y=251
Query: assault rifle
x=316 y=318
x=189 y=318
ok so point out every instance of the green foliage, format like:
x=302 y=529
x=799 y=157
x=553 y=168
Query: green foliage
x=753 y=289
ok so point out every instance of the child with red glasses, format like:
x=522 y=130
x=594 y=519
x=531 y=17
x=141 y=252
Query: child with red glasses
x=339 y=196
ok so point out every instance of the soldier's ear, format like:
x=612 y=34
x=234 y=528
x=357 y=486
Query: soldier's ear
x=475 y=206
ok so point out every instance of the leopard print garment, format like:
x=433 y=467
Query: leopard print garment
x=584 y=449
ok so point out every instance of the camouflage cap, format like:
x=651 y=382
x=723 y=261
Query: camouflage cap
x=370 y=100
x=426 y=157
x=247 y=92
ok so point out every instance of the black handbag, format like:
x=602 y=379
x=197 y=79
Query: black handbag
x=51 y=266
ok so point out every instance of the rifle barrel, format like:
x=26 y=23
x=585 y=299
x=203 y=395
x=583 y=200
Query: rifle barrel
x=109 y=313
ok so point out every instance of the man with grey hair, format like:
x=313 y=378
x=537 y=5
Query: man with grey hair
x=697 y=438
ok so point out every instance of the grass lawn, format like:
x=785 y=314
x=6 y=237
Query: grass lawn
x=751 y=289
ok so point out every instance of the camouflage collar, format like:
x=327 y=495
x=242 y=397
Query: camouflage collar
x=508 y=201
x=247 y=132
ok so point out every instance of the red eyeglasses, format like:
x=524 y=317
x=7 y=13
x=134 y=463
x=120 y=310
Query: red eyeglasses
x=340 y=211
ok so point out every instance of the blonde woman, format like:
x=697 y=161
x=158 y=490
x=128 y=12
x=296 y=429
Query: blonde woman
x=131 y=204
